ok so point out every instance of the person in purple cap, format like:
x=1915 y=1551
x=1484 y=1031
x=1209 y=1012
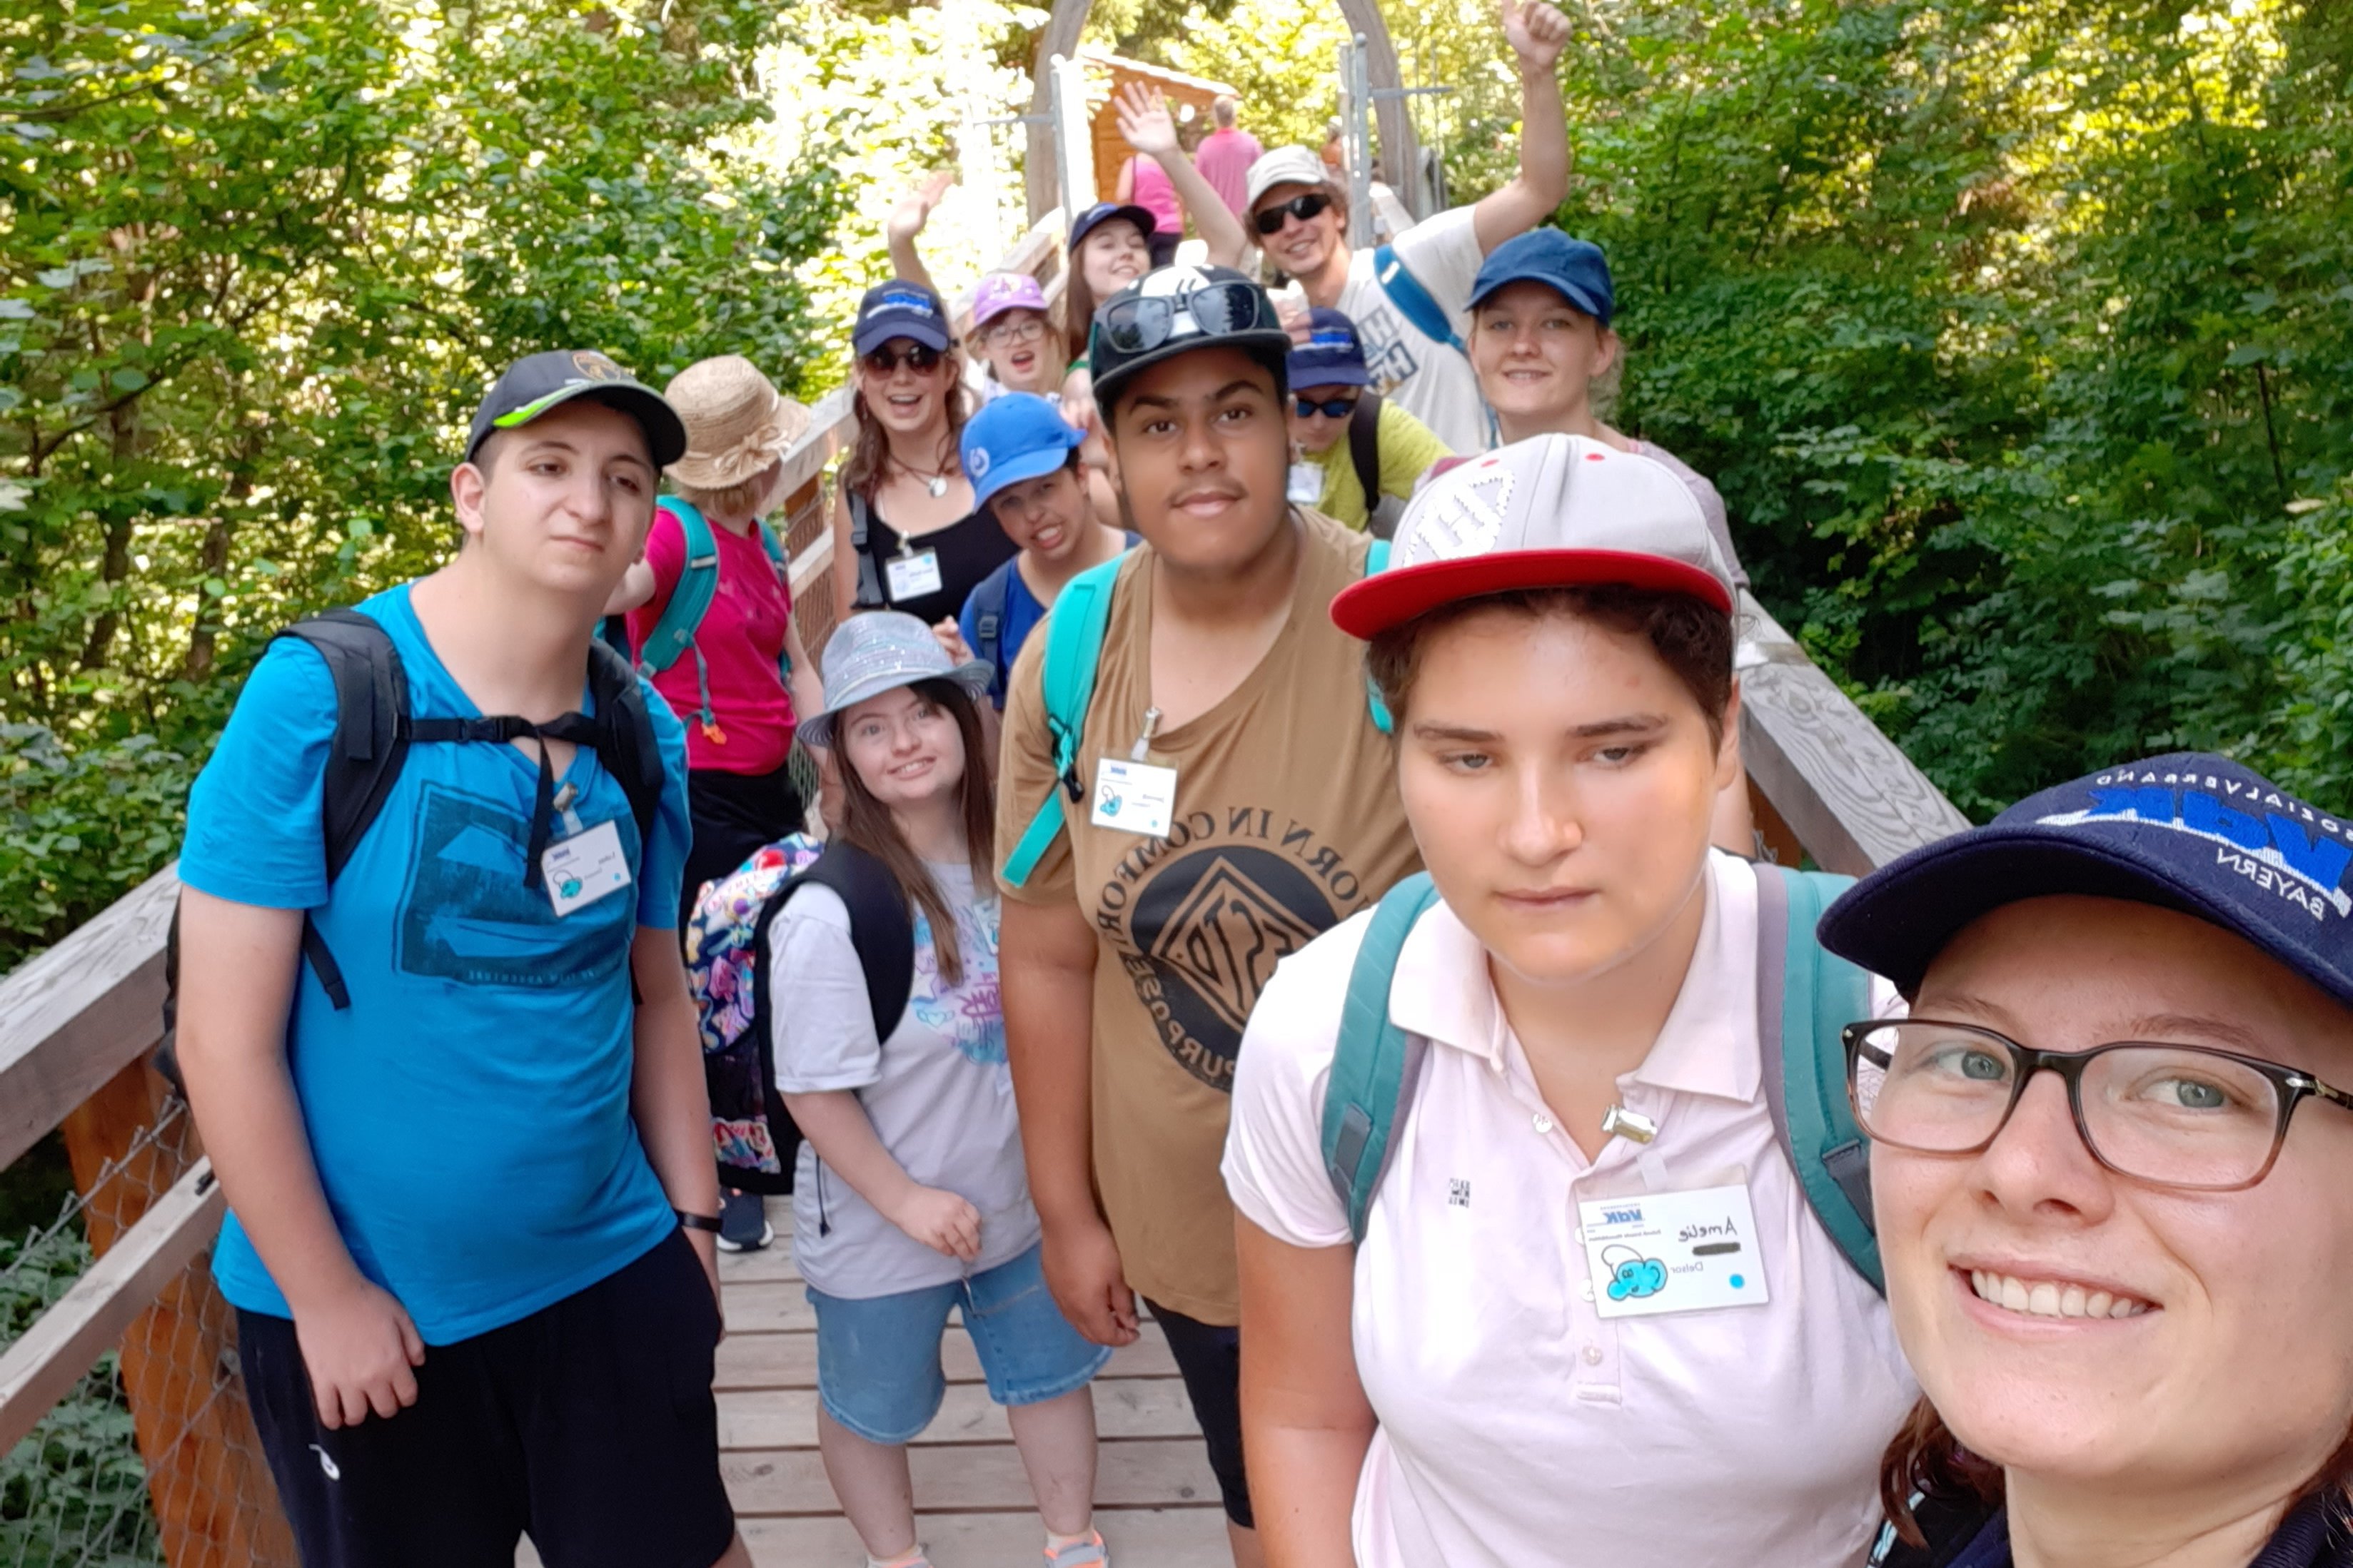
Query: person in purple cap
x=1363 y=454
x=2110 y=1149
x=1012 y=332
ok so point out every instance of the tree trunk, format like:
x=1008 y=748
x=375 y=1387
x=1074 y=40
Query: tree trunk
x=116 y=564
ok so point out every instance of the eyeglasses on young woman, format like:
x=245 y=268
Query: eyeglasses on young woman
x=1008 y=334
x=886 y=360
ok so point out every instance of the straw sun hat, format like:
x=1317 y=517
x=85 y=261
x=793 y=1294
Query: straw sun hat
x=737 y=423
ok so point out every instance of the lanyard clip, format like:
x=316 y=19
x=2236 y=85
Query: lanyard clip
x=1143 y=746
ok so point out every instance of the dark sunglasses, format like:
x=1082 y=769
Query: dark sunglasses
x=886 y=360
x=1218 y=309
x=1303 y=208
x=1335 y=408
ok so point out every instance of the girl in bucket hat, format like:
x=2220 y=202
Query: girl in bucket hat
x=911 y=1198
x=1587 y=1268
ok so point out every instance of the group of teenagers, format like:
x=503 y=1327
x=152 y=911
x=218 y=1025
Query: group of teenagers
x=1340 y=944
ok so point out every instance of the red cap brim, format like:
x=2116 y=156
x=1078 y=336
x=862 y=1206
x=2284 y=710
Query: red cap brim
x=1390 y=598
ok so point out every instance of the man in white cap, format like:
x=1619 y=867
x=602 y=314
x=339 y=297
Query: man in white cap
x=1409 y=298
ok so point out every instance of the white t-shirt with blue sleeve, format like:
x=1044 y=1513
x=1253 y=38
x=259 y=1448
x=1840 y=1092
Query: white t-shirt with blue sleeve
x=468 y=1113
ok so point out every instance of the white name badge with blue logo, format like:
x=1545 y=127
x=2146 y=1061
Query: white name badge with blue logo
x=912 y=576
x=1304 y=486
x=1134 y=798
x=1672 y=1252
x=583 y=868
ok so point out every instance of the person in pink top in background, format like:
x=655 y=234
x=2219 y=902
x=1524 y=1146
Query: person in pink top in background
x=1225 y=156
x=1144 y=182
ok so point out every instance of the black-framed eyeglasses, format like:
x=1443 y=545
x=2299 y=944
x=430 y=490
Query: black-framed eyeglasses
x=1142 y=323
x=2174 y=1115
x=1331 y=407
x=1303 y=208
x=1026 y=330
x=886 y=360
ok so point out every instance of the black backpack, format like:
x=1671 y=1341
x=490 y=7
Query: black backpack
x=372 y=733
x=1365 y=456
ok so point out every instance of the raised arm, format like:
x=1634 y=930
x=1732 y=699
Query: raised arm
x=1537 y=33
x=906 y=223
x=1305 y=1421
x=1144 y=121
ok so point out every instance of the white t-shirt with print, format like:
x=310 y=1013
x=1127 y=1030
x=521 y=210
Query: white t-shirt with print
x=1430 y=380
x=938 y=1090
x=1517 y=1425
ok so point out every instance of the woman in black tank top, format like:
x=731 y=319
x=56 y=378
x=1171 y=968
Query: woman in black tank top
x=910 y=409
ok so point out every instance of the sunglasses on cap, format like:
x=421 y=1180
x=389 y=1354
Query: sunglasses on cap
x=887 y=359
x=1332 y=408
x=1218 y=309
x=1303 y=208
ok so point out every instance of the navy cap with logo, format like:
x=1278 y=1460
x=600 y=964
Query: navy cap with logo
x=1092 y=218
x=2196 y=833
x=899 y=310
x=1332 y=355
x=1574 y=268
x=537 y=383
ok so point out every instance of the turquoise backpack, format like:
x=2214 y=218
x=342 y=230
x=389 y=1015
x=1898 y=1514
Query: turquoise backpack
x=1804 y=994
x=698 y=584
x=1074 y=639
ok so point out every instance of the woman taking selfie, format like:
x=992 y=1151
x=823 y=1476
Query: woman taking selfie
x=1589 y=1315
x=2111 y=1158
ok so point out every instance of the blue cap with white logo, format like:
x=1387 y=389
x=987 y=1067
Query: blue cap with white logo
x=899 y=309
x=1574 y=268
x=1332 y=355
x=2189 y=832
x=1016 y=435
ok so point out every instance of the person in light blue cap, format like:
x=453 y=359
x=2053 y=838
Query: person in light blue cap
x=1023 y=459
x=910 y=1200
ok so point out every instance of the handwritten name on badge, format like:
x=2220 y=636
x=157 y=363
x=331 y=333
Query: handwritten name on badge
x=583 y=868
x=1672 y=1252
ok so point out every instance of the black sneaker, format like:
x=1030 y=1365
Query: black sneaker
x=743 y=1223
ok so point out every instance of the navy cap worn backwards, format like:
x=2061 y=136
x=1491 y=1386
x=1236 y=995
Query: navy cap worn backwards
x=1333 y=354
x=1016 y=435
x=2189 y=832
x=537 y=383
x=899 y=310
x=1574 y=268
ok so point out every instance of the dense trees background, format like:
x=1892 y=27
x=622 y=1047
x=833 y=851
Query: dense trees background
x=2019 y=333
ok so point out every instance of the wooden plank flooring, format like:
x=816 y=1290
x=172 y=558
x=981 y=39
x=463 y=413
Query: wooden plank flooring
x=1156 y=1502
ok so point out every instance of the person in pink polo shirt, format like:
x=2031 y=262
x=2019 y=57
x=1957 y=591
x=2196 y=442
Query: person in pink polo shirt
x=1225 y=156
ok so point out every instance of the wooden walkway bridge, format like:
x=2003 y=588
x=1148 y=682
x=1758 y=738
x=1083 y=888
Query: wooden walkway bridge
x=141 y=1326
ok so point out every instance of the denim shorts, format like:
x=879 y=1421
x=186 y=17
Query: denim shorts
x=877 y=1358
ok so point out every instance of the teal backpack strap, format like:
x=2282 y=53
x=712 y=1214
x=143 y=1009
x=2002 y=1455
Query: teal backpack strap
x=783 y=562
x=1805 y=997
x=1377 y=559
x=1376 y=1064
x=697 y=581
x=1074 y=639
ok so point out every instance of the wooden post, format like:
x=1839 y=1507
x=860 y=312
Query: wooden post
x=216 y=1505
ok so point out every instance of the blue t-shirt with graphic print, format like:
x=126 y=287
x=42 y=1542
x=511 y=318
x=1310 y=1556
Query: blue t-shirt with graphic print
x=468 y=1113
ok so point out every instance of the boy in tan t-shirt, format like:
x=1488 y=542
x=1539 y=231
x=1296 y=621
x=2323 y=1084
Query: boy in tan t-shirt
x=1131 y=959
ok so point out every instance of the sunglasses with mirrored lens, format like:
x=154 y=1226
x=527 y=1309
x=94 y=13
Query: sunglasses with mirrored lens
x=886 y=360
x=1217 y=310
x=1334 y=408
x=1303 y=208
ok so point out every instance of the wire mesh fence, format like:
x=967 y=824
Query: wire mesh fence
x=150 y=1458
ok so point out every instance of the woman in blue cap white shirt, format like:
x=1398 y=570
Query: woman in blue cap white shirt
x=911 y=1199
x=1466 y=1386
x=2111 y=1150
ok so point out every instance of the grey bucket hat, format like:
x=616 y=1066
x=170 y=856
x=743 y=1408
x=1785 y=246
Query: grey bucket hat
x=880 y=651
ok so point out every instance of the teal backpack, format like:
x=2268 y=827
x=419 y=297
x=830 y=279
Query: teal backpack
x=1074 y=639
x=698 y=584
x=1805 y=997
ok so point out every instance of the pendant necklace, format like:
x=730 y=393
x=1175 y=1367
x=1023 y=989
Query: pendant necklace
x=936 y=484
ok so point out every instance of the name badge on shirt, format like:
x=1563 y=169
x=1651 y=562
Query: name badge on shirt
x=583 y=868
x=1306 y=486
x=1134 y=798
x=912 y=576
x=1653 y=1252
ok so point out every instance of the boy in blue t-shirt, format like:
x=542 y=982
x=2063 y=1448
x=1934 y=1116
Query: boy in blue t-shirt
x=470 y=1243
x=1023 y=460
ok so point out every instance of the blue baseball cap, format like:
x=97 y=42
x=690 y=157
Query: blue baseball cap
x=1575 y=269
x=1015 y=435
x=2189 y=831
x=1102 y=212
x=899 y=310
x=1333 y=354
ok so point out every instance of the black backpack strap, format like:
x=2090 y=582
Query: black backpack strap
x=626 y=731
x=880 y=928
x=1365 y=446
x=870 y=577
x=989 y=602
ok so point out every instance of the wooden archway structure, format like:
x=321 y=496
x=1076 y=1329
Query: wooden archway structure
x=1400 y=154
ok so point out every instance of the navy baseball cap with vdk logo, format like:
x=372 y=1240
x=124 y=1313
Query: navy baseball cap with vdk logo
x=2189 y=831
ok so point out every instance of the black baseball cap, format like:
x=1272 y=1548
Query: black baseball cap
x=1102 y=212
x=537 y=383
x=2189 y=831
x=899 y=310
x=1175 y=311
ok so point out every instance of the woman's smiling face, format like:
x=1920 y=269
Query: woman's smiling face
x=2230 y=1366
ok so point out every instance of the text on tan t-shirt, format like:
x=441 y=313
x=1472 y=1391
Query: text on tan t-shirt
x=1286 y=822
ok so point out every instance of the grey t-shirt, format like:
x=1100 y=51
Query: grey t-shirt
x=1711 y=503
x=937 y=1090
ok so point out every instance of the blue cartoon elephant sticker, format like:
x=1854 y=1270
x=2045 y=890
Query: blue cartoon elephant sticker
x=1632 y=1275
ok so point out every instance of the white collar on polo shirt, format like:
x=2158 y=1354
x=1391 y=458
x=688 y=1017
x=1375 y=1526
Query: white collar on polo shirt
x=1708 y=1045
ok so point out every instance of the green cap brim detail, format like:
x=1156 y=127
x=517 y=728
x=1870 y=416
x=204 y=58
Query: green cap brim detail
x=530 y=411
